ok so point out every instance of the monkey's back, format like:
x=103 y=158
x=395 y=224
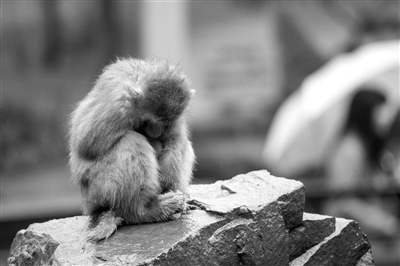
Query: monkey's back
x=111 y=108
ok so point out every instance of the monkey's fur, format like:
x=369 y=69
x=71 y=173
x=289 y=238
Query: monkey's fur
x=129 y=146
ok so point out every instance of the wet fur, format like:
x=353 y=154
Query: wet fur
x=129 y=146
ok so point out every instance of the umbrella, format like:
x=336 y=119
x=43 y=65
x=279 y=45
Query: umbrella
x=308 y=122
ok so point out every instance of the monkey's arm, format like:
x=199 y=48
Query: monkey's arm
x=102 y=118
x=177 y=159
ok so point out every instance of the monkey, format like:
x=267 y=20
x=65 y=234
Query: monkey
x=129 y=147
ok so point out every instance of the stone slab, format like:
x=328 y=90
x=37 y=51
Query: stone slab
x=346 y=246
x=32 y=248
x=140 y=244
x=255 y=189
x=314 y=230
x=252 y=219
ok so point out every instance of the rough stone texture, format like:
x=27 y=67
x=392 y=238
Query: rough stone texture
x=252 y=219
x=346 y=246
x=31 y=248
x=253 y=190
x=260 y=240
x=366 y=260
x=70 y=233
x=315 y=229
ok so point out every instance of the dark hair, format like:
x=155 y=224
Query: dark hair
x=360 y=121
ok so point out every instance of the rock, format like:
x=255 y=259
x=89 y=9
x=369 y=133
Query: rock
x=366 y=259
x=31 y=248
x=160 y=243
x=315 y=229
x=252 y=190
x=252 y=219
x=261 y=240
x=70 y=233
x=346 y=246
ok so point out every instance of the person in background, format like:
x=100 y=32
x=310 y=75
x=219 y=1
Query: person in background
x=364 y=163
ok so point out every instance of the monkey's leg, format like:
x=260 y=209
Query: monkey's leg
x=143 y=201
x=124 y=185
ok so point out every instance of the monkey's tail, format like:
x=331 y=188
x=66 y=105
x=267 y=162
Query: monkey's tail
x=107 y=224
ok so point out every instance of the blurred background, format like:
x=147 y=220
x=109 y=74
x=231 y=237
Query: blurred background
x=307 y=90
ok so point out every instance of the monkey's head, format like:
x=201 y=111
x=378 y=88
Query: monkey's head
x=166 y=95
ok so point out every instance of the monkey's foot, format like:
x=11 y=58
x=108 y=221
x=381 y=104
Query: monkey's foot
x=172 y=204
x=107 y=225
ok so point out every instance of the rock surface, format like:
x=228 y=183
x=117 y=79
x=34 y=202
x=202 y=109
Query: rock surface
x=345 y=246
x=314 y=230
x=253 y=190
x=32 y=248
x=252 y=219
